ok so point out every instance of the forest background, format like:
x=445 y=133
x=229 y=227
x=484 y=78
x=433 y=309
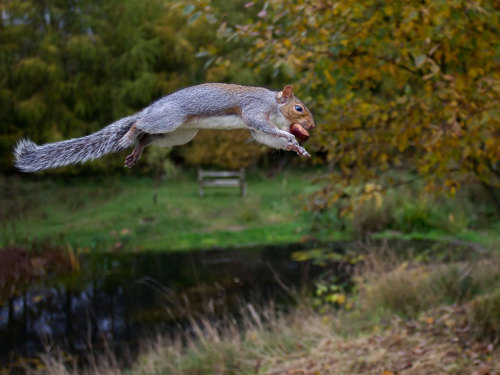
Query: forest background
x=406 y=85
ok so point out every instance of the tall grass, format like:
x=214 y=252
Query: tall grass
x=485 y=313
x=383 y=332
x=407 y=288
x=261 y=339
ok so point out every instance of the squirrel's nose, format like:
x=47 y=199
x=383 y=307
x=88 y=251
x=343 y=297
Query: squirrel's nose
x=309 y=125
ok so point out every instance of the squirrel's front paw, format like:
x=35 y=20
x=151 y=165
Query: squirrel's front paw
x=298 y=149
x=302 y=152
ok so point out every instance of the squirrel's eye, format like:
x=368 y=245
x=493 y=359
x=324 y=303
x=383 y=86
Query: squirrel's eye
x=298 y=108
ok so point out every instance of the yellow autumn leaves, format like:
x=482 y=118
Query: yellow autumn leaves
x=410 y=85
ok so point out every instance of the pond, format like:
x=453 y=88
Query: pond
x=75 y=303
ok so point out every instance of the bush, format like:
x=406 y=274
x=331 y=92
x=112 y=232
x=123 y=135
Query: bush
x=368 y=218
x=484 y=315
x=454 y=283
x=406 y=210
x=418 y=217
x=408 y=291
x=403 y=291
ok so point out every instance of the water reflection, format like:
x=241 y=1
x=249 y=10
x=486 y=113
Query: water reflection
x=79 y=303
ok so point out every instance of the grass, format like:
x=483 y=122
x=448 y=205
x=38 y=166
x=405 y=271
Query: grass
x=131 y=213
x=485 y=312
x=135 y=213
x=452 y=329
x=408 y=289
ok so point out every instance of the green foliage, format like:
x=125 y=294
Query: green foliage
x=68 y=70
x=410 y=85
x=416 y=216
x=331 y=287
x=410 y=213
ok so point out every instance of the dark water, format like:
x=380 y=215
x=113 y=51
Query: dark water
x=120 y=298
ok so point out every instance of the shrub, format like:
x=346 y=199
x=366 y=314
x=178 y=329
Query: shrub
x=484 y=315
x=408 y=291
x=403 y=291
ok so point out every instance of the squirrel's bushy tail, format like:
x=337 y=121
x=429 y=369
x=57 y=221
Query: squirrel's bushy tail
x=32 y=158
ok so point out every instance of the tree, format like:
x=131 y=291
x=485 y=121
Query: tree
x=68 y=68
x=412 y=85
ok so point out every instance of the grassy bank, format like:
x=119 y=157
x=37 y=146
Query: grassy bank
x=137 y=213
x=405 y=317
x=134 y=213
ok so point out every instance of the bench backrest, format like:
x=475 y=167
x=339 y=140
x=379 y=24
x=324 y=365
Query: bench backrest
x=222 y=179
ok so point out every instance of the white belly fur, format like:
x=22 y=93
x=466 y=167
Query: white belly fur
x=175 y=138
x=216 y=122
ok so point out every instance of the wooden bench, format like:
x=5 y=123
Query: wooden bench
x=222 y=179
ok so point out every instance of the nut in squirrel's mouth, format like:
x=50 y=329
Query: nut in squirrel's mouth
x=299 y=132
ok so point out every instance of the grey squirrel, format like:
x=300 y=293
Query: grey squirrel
x=176 y=118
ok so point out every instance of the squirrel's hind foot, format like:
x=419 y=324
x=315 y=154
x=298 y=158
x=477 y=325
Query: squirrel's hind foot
x=144 y=141
x=131 y=159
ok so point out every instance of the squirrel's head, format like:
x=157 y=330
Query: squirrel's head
x=293 y=109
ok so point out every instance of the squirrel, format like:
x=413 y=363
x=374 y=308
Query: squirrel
x=175 y=119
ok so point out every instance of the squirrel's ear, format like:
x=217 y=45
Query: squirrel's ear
x=287 y=92
x=285 y=95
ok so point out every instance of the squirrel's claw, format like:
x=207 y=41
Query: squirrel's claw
x=302 y=152
x=298 y=149
x=131 y=159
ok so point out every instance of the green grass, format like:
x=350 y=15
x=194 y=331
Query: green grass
x=122 y=212
x=135 y=213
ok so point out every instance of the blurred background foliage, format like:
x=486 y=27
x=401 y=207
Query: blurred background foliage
x=232 y=149
x=68 y=68
x=405 y=85
x=409 y=86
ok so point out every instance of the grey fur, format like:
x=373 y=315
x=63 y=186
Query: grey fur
x=32 y=158
x=158 y=122
x=171 y=111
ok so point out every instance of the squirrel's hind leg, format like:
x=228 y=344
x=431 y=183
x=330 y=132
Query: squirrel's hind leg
x=144 y=141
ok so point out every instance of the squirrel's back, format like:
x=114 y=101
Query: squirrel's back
x=214 y=98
